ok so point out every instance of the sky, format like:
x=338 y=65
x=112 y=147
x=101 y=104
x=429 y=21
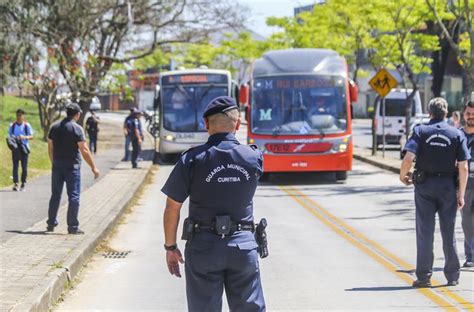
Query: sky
x=261 y=9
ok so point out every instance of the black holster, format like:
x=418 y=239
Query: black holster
x=418 y=177
x=188 y=229
x=261 y=238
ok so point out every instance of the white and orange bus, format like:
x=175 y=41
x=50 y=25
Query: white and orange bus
x=300 y=111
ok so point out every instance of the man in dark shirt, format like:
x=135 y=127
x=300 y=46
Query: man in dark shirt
x=66 y=143
x=92 y=127
x=438 y=147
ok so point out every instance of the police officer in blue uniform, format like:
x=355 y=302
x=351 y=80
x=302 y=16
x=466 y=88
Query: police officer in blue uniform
x=136 y=136
x=220 y=177
x=468 y=210
x=437 y=147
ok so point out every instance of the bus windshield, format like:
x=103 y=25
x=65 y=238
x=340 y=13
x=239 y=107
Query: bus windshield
x=298 y=105
x=184 y=104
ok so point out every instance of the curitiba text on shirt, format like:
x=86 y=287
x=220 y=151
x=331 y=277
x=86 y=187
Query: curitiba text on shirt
x=438 y=136
x=228 y=166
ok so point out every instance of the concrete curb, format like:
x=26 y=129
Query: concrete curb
x=48 y=292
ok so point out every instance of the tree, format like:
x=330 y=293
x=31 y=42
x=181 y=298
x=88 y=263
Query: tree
x=460 y=37
x=86 y=37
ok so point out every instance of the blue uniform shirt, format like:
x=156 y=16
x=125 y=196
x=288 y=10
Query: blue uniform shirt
x=220 y=177
x=16 y=130
x=66 y=135
x=437 y=147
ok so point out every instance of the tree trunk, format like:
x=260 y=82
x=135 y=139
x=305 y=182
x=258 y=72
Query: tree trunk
x=408 y=110
x=438 y=67
x=85 y=105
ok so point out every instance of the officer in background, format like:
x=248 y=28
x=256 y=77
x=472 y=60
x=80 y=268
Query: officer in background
x=136 y=137
x=220 y=177
x=126 y=133
x=66 y=143
x=468 y=210
x=437 y=147
x=92 y=128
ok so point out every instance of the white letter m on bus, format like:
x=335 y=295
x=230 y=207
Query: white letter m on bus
x=265 y=115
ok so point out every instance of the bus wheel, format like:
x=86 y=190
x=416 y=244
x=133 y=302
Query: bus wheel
x=341 y=175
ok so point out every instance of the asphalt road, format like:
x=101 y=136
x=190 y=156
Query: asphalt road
x=333 y=246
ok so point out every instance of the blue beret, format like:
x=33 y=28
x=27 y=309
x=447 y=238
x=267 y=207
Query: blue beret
x=220 y=104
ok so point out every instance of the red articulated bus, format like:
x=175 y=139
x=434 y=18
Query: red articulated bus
x=300 y=111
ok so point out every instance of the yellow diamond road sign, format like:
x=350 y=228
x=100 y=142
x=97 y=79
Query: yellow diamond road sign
x=383 y=82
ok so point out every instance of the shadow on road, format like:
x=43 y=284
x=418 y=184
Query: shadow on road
x=381 y=288
x=33 y=232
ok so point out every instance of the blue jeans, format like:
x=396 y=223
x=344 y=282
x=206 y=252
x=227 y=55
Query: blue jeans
x=72 y=177
x=17 y=157
x=93 y=142
x=128 y=140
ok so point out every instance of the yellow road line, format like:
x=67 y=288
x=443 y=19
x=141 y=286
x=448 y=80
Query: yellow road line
x=381 y=255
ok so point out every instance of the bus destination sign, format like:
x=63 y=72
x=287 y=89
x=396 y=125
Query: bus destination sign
x=294 y=82
x=194 y=79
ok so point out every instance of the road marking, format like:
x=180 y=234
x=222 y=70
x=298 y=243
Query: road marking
x=376 y=251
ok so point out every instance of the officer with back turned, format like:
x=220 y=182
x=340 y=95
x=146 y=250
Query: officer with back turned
x=438 y=147
x=220 y=177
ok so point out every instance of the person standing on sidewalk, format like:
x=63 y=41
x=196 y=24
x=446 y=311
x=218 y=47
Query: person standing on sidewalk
x=66 y=143
x=437 y=147
x=136 y=137
x=126 y=133
x=22 y=131
x=220 y=177
x=468 y=210
x=92 y=128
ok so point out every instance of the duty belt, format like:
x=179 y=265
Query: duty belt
x=203 y=226
x=221 y=225
x=440 y=174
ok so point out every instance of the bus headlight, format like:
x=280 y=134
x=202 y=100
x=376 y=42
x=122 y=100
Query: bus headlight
x=169 y=137
x=342 y=147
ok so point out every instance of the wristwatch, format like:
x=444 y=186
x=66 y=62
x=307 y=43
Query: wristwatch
x=171 y=247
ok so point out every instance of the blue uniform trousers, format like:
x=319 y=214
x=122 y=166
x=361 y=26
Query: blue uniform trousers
x=128 y=140
x=17 y=157
x=436 y=195
x=211 y=266
x=135 y=152
x=72 y=177
x=468 y=225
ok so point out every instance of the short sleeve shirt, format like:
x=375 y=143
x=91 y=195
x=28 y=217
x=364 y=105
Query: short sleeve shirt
x=438 y=146
x=16 y=130
x=66 y=135
x=220 y=177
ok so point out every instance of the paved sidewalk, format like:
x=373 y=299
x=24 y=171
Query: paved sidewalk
x=37 y=266
x=387 y=163
x=21 y=210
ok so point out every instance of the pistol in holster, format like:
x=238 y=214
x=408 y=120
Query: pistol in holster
x=188 y=229
x=418 y=177
x=261 y=238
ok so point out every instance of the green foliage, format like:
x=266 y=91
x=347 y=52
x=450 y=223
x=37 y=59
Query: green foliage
x=38 y=160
